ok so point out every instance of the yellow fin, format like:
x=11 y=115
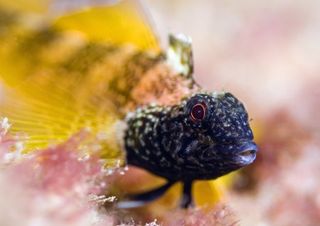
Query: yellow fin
x=208 y=193
x=120 y=23
x=46 y=98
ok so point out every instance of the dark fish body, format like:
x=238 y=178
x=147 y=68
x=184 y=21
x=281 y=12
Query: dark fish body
x=168 y=142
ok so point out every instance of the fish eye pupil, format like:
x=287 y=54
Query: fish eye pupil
x=198 y=111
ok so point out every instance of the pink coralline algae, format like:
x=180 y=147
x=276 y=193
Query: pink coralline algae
x=54 y=186
x=221 y=215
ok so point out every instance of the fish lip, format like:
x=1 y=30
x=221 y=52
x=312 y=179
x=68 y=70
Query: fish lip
x=247 y=154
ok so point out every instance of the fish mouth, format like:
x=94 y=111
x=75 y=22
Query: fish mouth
x=247 y=154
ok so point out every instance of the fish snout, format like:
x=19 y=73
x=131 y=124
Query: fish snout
x=247 y=153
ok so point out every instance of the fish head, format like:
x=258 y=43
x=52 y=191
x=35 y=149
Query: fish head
x=218 y=138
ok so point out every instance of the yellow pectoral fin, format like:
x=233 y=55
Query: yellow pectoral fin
x=205 y=193
x=120 y=23
x=43 y=115
x=208 y=193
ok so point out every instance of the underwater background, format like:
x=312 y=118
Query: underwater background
x=264 y=52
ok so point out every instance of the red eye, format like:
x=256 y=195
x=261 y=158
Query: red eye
x=198 y=112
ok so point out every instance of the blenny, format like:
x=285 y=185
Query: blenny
x=94 y=67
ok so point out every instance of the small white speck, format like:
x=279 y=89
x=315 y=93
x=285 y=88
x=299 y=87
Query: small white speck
x=4 y=126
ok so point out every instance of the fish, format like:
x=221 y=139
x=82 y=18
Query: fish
x=102 y=69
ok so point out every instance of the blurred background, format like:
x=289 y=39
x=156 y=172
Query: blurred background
x=267 y=54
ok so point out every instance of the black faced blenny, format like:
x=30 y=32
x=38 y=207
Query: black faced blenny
x=93 y=67
x=200 y=135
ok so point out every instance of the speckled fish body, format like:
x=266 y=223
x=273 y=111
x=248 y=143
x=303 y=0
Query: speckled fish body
x=167 y=142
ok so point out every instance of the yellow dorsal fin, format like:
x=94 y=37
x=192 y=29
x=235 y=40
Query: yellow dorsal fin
x=120 y=23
